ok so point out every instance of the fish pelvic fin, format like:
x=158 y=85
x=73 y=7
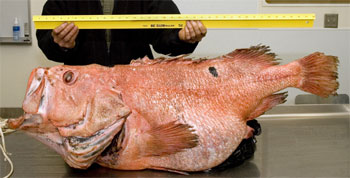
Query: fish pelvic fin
x=255 y=55
x=319 y=74
x=170 y=138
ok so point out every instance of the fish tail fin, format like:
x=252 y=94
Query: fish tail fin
x=319 y=74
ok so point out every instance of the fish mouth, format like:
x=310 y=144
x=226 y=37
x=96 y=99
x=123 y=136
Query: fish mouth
x=26 y=122
x=32 y=102
x=35 y=126
x=78 y=152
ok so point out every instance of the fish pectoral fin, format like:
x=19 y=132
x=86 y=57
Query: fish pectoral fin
x=170 y=138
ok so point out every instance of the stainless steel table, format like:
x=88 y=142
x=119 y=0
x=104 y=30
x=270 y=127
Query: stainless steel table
x=296 y=141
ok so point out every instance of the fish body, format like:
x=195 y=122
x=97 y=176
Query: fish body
x=173 y=114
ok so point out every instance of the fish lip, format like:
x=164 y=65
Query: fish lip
x=15 y=123
x=25 y=121
x=32 y=120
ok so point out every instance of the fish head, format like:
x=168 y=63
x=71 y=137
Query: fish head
x=66 y=94
x=76 y=110
x=58 y=93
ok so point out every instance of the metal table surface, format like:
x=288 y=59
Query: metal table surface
x=314 y=141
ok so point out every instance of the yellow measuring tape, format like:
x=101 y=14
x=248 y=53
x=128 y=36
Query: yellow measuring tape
x=161 y=21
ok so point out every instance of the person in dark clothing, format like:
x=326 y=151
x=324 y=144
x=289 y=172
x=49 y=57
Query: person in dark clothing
x=72 y=46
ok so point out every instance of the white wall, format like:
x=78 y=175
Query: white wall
x=318 y=9
x=217 y=6
x=16 y=62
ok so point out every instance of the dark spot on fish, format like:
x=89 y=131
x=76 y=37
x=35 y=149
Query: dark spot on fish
x=213 y=71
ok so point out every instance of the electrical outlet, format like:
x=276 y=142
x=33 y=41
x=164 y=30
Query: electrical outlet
x=331 y=21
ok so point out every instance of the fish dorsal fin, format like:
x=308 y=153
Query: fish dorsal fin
x=161 y=60
x=259 y=54
x=140 y=61
x=170 y=138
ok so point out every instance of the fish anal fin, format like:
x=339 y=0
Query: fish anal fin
x=259 y=54
x=170 y=138
x=267 y=103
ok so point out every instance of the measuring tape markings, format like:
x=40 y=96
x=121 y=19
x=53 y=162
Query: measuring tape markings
x=177 y=21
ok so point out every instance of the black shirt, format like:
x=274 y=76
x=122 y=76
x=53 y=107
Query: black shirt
x=126 y=44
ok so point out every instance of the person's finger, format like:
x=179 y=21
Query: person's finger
x=69 y=40
x=191 y=30
x=65 y=31
x=56 y=31
x=198 y=33
x=187 y=33
x=75 y=35
x=55 y=38
x=59 y=28
x=202 y=28
x=71 y=43
x=69 y=36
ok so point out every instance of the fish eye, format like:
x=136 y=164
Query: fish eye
x=68 y=77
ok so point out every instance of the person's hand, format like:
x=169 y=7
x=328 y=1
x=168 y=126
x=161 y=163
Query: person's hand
x=193 y=32
x=65 y=35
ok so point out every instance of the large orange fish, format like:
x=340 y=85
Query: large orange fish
x=174 y=114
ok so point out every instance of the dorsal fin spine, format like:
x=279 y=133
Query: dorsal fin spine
x=259 y=54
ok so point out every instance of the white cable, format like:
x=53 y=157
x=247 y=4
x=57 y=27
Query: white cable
x=5 y=153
